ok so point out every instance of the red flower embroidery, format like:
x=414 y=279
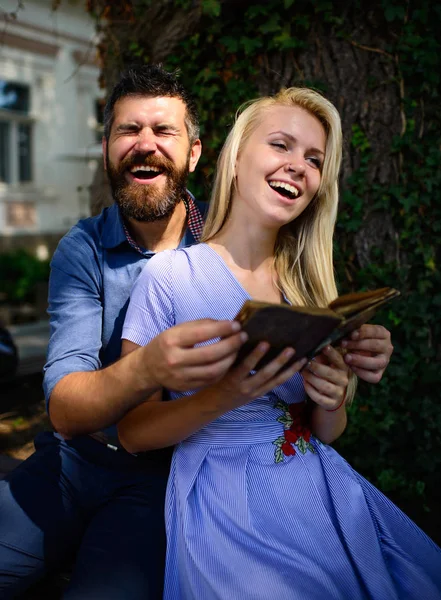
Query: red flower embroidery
x=297 y=429
x=290 y=436
x=296 y=433
x=306 y=435
x=287 y=449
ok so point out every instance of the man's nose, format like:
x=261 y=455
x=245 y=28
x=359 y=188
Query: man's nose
x=146 y=141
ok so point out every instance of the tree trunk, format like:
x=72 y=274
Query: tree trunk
x=363 y=81
x=356 y=71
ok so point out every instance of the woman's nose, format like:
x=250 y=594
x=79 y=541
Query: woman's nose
x=296 y=165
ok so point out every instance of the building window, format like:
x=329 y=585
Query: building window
x=15 y=133
x=24 y=151
x=21 y=214
x=5 y=163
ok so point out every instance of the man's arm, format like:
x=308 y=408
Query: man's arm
x=83 y=397
x=84 y=402
x=369 y=349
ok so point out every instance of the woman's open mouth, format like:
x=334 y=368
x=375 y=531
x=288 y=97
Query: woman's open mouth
x=284 y=189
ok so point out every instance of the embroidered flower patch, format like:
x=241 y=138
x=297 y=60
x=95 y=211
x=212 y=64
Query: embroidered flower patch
x=297 y=433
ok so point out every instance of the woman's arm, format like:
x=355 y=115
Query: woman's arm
x=156 y=424
x=326 y=381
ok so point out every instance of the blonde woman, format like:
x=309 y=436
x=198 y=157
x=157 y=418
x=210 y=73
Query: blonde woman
x=257 y=507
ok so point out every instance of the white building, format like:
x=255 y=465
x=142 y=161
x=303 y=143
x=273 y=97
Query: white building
x=49 y=106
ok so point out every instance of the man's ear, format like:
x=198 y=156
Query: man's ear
x=195 y=154
x=104 y=147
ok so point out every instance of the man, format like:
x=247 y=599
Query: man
x=80 y=494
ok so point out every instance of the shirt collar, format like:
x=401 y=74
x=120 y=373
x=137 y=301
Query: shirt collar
x=195 y=220
x=115 y=232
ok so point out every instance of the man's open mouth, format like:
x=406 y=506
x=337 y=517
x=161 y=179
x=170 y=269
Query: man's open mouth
x=284 y=189
x=145 y=172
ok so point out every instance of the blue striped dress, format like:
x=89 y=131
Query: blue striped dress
x=257 y=508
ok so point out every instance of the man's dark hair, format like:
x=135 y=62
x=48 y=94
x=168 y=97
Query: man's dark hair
x=153 y=81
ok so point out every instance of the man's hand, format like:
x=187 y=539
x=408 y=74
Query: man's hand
x=369 y=351
x=172 y=361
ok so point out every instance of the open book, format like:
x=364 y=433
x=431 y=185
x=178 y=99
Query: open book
x=307 y=329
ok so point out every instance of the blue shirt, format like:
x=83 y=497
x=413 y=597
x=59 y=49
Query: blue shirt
x=92 y=274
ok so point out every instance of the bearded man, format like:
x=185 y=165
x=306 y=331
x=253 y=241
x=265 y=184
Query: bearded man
x=81 y=494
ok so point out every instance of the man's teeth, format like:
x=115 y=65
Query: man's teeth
x=285 y=186
x=145 y=168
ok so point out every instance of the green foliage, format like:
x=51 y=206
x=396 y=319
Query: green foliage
x=400 y=420
x=20 y=271
x=394 y=433
x=223 y=61
x=212 y=8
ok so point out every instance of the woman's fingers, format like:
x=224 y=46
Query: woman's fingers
x=251 y=360
x=281 y=376
x=322 y=392
x=334 y=357
x=270 y=375
x=329 y=366
x=326 y=402
x=326 y=383
x=273 y=374
x=268 y=371
x=330 y=389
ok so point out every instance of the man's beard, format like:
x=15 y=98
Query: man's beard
x=145 y=202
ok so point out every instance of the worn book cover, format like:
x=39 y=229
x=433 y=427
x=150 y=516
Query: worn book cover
x=307 y=329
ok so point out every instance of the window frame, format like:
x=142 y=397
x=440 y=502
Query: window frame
x=14 y=119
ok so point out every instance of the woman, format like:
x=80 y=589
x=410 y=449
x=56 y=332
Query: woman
x=257 y=507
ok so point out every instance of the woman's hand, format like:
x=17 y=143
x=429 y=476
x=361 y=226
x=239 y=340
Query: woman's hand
x=238 y=386
x=369 y=351
x=326 y=378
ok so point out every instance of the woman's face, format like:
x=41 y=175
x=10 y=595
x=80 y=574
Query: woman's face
x=279 y=169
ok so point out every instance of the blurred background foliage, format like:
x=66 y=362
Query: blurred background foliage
x=20 y=273
x=380 y=63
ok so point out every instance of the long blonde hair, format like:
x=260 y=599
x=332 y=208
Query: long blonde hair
x=303 y=254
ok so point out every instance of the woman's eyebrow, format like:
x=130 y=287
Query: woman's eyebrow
x=294 y=139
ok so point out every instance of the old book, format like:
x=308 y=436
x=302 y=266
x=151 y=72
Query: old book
x=307 y=329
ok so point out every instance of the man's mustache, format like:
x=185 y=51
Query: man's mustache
x=142 y=159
